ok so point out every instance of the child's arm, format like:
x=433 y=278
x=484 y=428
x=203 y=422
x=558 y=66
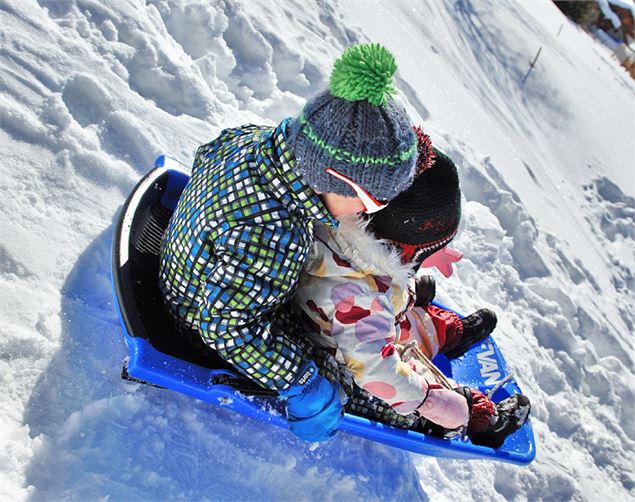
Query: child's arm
x=364 y=329
x=256 y=268
x=396 y=382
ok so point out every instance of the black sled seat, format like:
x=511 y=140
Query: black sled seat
x=159 y=356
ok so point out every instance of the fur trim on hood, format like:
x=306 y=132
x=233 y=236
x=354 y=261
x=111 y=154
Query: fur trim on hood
x=369 y=254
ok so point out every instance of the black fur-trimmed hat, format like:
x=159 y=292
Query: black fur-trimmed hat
x=425 y=217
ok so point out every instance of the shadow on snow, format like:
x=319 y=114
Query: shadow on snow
x=100 y=436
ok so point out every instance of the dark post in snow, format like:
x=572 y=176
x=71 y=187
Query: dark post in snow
x=531 y=66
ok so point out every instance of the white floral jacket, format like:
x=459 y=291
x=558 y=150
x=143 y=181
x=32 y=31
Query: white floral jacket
x=358 y=297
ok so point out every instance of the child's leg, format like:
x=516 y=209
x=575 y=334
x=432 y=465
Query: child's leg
x=474 y=329
x=483 y=411
x=366 y=405
x=436 y=330
x=448 y=325
x=490 y=423
x=419 y=326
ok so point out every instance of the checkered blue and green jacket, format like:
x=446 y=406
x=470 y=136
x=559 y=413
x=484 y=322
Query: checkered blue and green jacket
x=234 y=249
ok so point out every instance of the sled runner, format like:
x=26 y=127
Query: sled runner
x=157 y=358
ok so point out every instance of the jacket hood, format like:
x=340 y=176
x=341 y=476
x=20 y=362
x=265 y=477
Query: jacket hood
x=368 y=253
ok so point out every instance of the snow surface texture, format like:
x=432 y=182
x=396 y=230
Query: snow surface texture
x=92 y=90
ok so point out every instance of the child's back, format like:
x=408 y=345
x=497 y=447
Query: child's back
x=236 y=244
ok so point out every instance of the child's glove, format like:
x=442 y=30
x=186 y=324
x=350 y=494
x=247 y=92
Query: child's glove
x=425 y=290
x=447 y=408
x=314 y=410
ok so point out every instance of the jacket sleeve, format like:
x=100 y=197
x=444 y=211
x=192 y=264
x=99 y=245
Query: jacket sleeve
x=256 y=269
x=363 y=325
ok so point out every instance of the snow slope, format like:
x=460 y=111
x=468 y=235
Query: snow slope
x=92 y=90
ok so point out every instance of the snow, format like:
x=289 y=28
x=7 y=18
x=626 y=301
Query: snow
x=92 y=90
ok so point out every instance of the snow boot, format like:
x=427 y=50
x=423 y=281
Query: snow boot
x=476 y=327
x=511 y=414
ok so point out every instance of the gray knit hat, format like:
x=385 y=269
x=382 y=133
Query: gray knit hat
x=356 y=128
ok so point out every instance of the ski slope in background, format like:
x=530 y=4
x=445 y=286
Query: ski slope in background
x=92 y=90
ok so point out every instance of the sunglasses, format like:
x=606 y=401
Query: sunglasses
x=371 y=205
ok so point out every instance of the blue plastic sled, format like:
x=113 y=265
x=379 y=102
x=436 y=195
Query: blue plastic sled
x=156 y=358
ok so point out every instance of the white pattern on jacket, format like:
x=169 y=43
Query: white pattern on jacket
x=354 y=288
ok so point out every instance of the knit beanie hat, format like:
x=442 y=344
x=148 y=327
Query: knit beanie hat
x=425 y=217
x=356 y=129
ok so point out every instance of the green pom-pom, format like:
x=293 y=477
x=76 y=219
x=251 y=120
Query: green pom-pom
x=364 y=72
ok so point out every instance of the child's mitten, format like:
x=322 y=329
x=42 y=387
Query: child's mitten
x=314 y=409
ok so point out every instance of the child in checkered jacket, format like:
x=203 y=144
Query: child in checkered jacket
x=236 y=243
